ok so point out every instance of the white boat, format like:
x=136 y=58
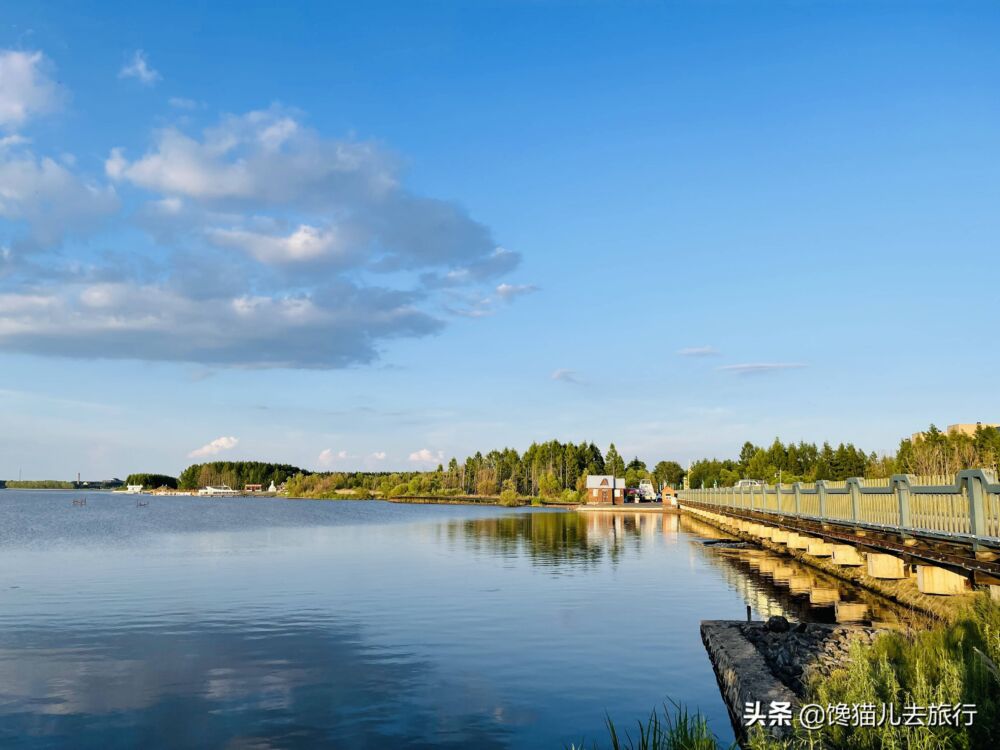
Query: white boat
x=223 y=490
x=133 y=489
x=646 y=491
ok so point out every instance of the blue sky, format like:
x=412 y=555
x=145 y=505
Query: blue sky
x=368 y=235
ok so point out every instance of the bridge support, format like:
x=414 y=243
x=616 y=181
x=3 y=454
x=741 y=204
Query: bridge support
x=801 y=542
x=995 y=593
x=881 y=565
x=934 y=580
x=819 y=548
x=845 y=554
x=780 y=536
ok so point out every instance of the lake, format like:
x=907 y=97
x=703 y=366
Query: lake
x=269 y=623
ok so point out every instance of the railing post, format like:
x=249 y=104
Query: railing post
x=903 y=495
x=855 y=500
x=821 y=495
x=797 y=489
x=854 y=489
x=977 y=505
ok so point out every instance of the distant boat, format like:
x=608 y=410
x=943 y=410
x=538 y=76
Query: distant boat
x=223 y=490
x=133 y=489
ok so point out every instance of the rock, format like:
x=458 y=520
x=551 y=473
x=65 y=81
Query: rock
x=777 y=624
x=800 y=628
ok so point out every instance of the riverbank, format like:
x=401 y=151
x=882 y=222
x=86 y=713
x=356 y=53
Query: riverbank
x=776 y=661
x=494 y=500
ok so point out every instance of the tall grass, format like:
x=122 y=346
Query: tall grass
x=948 y=664
x=673 y=729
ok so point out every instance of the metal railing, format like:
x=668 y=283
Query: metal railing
x=968 y=505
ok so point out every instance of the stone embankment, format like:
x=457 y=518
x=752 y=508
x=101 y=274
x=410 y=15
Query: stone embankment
x=799 y=653
x=775 y=661
x=742 y=671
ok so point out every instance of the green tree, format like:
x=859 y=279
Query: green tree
x=613 y=463
x=152 y=481
x=746 y=453
x=668 y=472
x=548 y=486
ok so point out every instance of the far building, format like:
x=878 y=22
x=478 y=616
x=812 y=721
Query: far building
x=605 y=488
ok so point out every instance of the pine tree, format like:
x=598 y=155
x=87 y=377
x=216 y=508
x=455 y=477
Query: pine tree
x=613 y=463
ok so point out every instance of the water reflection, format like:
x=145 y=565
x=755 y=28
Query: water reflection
x=557 y=539
x=191 y=623
x=295 y=684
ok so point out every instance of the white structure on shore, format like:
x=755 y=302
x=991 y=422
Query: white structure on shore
x=223 y=490
x=134 y=489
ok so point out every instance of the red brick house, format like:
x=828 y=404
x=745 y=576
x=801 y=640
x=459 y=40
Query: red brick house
x=604 y=488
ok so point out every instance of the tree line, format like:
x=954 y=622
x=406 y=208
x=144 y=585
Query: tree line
x=554 y=469
x=551 y=469
x=930 y=452
x=236 y=474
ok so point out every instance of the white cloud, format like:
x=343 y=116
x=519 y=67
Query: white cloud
x=313 y=220
x=26 y=90
x=305 y=243
x=752 y=368
x=50 y=198
x=268 y=161
x=12 y=140
x=565 y=376
x=335 y=326
x=138 y=67
x=426 y=456
x=379 y=455
x=698 y=351
x=508 y=292
x=262 y=157
x=216 y=446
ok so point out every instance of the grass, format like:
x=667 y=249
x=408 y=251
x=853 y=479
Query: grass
x=673 y=729
x=957 y=662
x=948 y=664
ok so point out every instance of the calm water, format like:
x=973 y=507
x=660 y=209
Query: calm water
x=273 y=623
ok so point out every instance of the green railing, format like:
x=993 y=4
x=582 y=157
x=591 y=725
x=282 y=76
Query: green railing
x=967 y=504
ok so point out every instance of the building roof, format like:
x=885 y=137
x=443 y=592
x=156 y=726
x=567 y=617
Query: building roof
x=604 y=480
